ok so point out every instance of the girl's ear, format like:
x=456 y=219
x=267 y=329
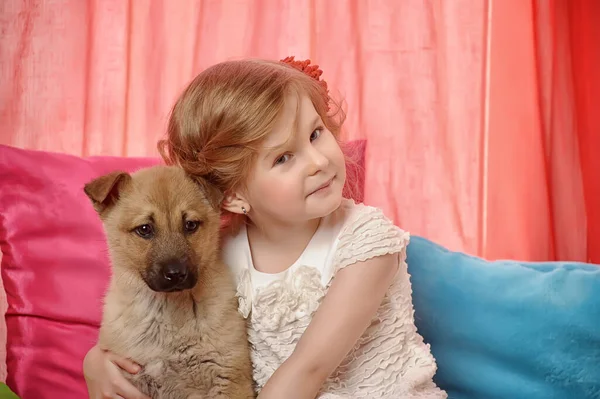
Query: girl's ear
x=236 y=203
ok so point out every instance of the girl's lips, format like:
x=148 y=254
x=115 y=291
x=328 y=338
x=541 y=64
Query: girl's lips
x=323 y=186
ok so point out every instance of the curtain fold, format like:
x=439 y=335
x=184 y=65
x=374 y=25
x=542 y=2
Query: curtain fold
x=567 y=34
x=585 y=43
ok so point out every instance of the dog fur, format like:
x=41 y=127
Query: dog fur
x=189 y=339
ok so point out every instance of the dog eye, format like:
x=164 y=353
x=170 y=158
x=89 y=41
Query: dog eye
x=191 y=226
x=144 y=231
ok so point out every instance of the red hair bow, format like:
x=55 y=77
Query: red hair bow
x=311 y=70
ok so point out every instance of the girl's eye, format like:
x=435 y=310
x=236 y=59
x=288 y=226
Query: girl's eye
x=315 y=135
x=282 y=159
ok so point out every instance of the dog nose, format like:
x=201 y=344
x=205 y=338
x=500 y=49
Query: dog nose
x=175 y=273
x=171 y=275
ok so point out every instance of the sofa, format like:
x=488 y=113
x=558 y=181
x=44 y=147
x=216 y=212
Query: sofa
x=498 y=329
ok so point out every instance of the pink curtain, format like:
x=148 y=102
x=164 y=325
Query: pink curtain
x=478 y=113
x=568 y=45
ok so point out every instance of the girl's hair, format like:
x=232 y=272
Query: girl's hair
x=221 y=119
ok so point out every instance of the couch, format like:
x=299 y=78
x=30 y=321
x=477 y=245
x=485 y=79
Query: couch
x=499 y=330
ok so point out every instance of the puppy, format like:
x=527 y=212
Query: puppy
x=170 y=305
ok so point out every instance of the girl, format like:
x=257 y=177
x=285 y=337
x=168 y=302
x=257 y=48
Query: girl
x=322 y=281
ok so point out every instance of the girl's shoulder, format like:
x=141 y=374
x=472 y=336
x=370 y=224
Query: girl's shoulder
x=364 y=232
x=360 y=222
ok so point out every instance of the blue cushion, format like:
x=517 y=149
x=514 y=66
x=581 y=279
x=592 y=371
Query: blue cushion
x=508 y=329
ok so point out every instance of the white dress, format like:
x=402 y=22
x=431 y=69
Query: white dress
x=390 y=360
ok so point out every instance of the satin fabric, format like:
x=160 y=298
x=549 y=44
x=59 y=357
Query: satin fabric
x=54 y=268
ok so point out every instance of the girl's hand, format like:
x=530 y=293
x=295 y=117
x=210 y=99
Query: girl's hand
x=104 y=379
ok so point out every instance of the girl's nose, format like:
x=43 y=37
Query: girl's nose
x=317 y=161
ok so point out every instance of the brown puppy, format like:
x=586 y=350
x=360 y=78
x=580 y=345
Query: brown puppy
x=171 y=303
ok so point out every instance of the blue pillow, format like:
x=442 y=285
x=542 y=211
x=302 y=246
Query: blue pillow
x=508 y=329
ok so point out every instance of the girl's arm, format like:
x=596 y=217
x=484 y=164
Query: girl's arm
x=346 y=311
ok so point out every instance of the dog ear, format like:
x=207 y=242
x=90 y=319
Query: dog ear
x=212 y=193
x=104 y=191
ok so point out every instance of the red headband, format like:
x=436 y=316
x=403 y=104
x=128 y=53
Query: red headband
x=311 y=70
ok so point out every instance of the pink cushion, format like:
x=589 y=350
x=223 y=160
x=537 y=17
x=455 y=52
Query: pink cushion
x=55 y=266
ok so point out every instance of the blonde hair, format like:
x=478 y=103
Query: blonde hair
x=219 y=122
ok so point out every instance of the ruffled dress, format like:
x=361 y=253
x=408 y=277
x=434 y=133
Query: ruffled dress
x=390 y=360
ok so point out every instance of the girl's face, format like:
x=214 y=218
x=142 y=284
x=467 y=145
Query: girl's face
x=300 y=172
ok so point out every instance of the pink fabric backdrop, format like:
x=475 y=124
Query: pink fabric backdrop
x=468 y=106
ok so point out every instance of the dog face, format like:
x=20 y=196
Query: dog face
x=161 y=225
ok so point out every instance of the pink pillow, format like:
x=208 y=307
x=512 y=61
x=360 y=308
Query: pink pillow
x=55 y=265
x=54 y=268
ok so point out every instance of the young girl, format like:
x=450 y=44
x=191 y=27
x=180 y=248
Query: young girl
x=322 y=281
